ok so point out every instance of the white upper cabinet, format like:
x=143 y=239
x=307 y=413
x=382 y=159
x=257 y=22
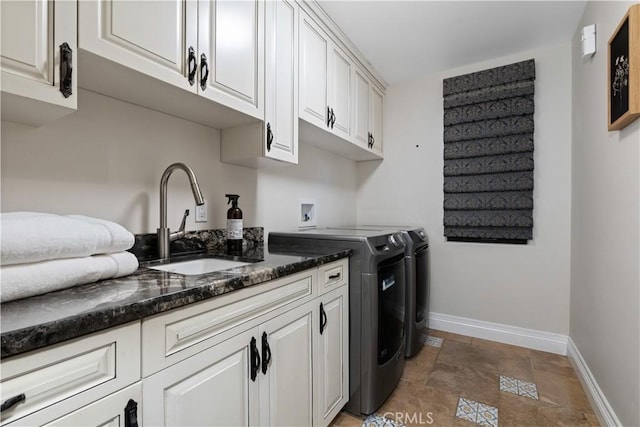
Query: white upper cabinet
x=325 y=80
x=151 y=37
x=159 y=54
x=314 y=67
x=335 y=96
x=276 y=137
x=361 y=113
x=38 y=60
x=231 y=53
x=340 y=92
x=367 y=113
x=376 y=120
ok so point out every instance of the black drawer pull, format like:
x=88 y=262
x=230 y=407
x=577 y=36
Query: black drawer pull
x=255 y=359
x=66 y=70
x=193 y=66
x=266 y=353
x=204 y=71
x=335 y=276
x=131 y=414
x=10 y=403
x=323 y=319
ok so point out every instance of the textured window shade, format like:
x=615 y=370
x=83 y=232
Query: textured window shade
x=488 y=154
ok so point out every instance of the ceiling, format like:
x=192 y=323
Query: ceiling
x=407 y=39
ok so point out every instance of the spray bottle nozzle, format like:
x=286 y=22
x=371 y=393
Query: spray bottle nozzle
x=233 y=198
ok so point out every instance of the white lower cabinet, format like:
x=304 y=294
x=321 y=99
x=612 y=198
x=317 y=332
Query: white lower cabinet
x=285 y=363
x=331 y=380
x=111 y=411
x=212 y=388
x=45 y=386
x=273 y=354
x=286 y=379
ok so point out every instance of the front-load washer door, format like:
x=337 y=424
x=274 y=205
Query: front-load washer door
x=391 y=306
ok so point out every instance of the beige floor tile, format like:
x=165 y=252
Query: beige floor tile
x=512 y=349
x=561 y=390
x=465 y=381
x=345 y=419
x=449 y=336
x=552 y=363
x=418 y=368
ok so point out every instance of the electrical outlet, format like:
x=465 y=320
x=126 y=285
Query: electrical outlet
x=201 y=213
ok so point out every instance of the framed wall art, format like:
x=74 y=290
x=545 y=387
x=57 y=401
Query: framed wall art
x=623 y=62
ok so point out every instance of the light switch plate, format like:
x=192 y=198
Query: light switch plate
x=201 y=213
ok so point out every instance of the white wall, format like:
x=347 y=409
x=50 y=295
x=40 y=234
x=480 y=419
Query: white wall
x=106 y=160
x=525 y=286
x=605 y=261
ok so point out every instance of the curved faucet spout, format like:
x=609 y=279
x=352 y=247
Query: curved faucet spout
x=164 y=235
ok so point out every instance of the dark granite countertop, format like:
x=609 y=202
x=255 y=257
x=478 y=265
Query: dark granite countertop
x=47 y=319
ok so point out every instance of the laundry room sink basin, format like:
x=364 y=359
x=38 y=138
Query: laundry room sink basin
x=200 y=266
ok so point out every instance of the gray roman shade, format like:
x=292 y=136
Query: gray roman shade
x=488 y=154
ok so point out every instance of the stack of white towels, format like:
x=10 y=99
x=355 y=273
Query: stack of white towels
x=43 y=252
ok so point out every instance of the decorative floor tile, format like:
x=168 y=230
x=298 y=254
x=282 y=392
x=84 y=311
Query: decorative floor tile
x=434 y=341
x=487 y=415
x=467 y=409
x=477 y=412
x=519 y=387
x=375 y=420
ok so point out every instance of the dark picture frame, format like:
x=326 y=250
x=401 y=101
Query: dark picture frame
x=623 y=71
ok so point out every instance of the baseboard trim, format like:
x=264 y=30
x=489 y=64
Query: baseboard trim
x=599 y=403
x=514 y=335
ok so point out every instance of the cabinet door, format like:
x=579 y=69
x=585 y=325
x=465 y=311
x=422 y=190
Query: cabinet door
x=331 y=376
x=153 y=38
x=110 y=411
x=314 y=45
x=211 y=388
x=340 y=92
x=31 y=33
x=231 y=41
x=281 y=90
x=361 y=109
x=376 y=119
x=286 y=388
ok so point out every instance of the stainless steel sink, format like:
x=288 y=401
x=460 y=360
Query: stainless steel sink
x=199 y=266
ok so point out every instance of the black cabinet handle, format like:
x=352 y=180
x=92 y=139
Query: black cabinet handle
x=334 y=276
x=328 y=116
x=11 y=402
x=323 y=319
x=131 y=414
x=255 y=359
x=269 y=137
x=66 y=70
x=204 y=71
x=266 y=353
x=333 y=118
x=193 y=66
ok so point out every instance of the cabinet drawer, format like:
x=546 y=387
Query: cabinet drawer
x=74 y=373
x=333 y=275
x=175 y=335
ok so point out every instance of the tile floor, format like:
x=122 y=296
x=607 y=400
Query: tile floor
x=462 y=381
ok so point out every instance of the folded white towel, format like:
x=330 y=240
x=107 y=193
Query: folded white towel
x=26 y=280
x=31 y=237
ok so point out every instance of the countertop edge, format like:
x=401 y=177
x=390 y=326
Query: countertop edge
x=42 y=335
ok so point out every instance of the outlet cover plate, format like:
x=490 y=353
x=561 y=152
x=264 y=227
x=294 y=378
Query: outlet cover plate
x=201 y=213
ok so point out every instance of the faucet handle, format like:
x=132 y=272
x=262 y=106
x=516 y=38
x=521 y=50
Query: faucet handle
x=184 y=220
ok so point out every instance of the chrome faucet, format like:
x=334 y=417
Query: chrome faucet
x=165 y=237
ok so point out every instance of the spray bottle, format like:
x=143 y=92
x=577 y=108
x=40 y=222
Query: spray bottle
x=234 y=226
